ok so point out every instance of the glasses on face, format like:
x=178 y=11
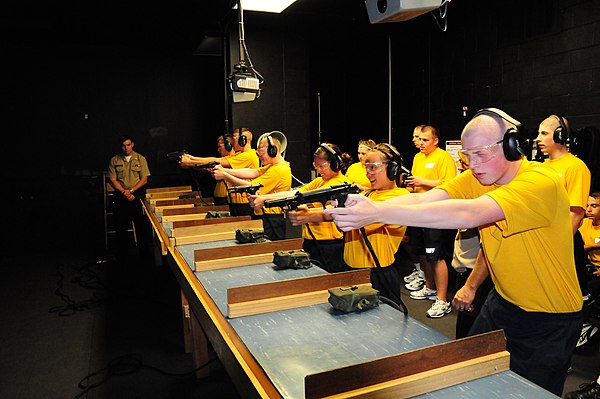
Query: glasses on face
x=372 y=167
x=261 y=150
x=323 y=166
x=481 y=154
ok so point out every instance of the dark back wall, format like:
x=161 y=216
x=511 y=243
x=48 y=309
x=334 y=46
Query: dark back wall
x=530 y=58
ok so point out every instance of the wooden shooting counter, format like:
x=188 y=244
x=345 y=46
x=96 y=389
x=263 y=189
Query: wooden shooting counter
x=278 y=337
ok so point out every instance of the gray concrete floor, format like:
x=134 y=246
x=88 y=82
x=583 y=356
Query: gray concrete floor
x=46 y=355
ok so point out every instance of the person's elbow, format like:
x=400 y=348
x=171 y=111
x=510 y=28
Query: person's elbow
x=480 y=213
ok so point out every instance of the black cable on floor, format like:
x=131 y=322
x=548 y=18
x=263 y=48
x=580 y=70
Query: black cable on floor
x=89 y=279
x=126 y=365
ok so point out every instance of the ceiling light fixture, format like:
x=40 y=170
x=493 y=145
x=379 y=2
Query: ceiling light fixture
x=275 y=6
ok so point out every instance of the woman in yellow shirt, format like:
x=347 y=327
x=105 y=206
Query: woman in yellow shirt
x=376 y=246
x=356 y=173
x=321 y=239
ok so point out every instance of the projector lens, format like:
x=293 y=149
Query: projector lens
x=382 y=5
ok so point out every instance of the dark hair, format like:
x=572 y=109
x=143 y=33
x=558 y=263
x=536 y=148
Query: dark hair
x=124 y=138
x=344 y=157
x=595 y=194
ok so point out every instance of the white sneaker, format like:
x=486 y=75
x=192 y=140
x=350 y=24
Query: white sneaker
x=587 y=331
x=424 y=293
x=439 y=309
x=416 y=284
x=416 y=274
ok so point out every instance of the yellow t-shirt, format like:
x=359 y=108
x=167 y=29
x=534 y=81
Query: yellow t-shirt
x=530 y=252
x=323 y=230
x=357 y=174
x=575 y=176
x=591 y=235
x=438 y=165
x=274 y=178
x=385 y=238
x=245 y=159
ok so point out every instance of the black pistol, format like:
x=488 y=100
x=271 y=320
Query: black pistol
x=206 y=166
x=338 y=192
x=251 y=189
x=175 y=156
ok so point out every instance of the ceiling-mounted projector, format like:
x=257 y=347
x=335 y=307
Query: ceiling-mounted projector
x=243 y=86
x=398 y=10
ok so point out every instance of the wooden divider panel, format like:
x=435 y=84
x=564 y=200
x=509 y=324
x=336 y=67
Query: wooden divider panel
x=415 y=372
x=250 y=254
x=288 y=294
x=167 y=189
x=216 y=225
x=195 y=210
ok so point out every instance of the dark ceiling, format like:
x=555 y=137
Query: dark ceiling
x=175 y=24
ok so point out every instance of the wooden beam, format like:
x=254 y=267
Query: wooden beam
x=161 y=205
x=289 y=294
x=167 y=189
x=189 y=216
x=195 y=210
x=161 y=235
x=169 y=194
x=415 y=372
x=250 y=254
x=247 y=249
x=205 y=222
x=212 y=232
x=186 y=318
x=216 y=225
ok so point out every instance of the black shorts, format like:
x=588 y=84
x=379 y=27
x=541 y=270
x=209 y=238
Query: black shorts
x=434 y=244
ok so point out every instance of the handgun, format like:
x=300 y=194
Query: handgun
x=405 y=175
x=252 y=189
x=204 y=166
x=323 y=195
x=175 y=156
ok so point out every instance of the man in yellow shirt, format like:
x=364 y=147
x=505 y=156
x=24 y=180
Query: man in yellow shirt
x=275 y=175
x=553 y=136
x=522 y=212
x=590 y=232
x=245 y=157
x=431 y=167
x=225 y=149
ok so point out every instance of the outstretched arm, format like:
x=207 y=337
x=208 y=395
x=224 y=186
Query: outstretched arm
x=188 y=161
x=433 y=210
x=235 y=177
x=258 y=200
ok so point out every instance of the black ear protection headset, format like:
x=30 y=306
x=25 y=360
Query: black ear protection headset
x=394 y=164
x=271 y=148
x=334 y=159
x=510 y=142
x=561 y=133
x=227 y=144
x=242 y=140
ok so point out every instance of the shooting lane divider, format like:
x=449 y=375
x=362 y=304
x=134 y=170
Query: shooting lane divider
x=289 y=294
x=253 y=254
